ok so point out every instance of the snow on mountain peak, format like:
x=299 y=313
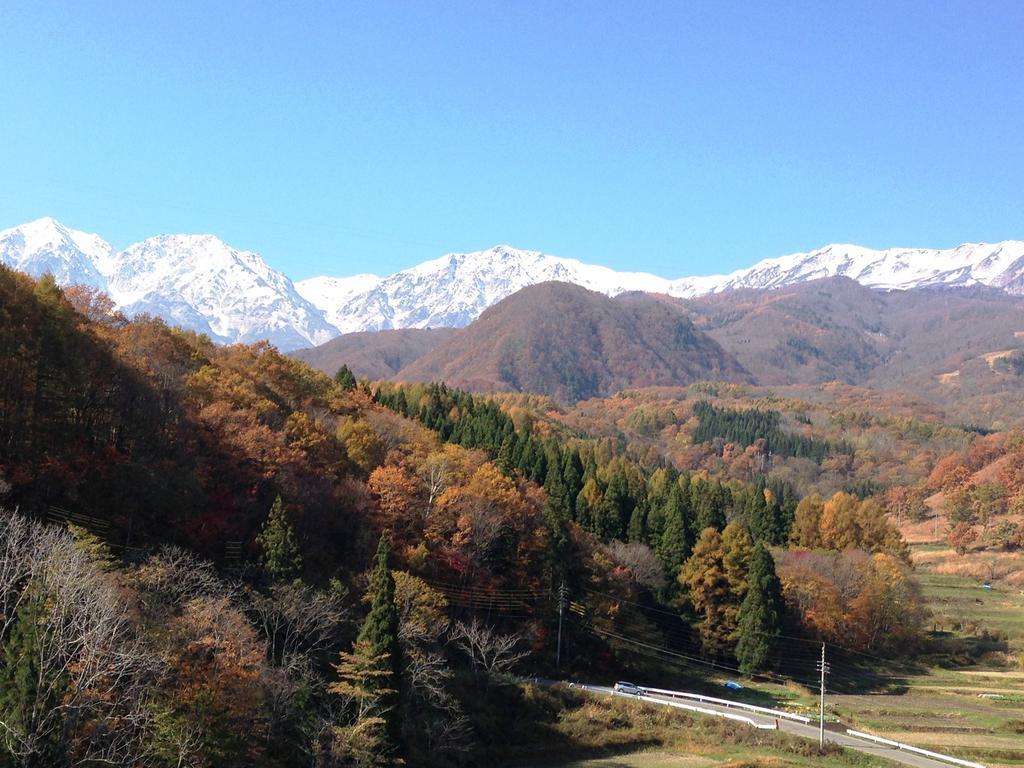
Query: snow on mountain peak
x=237 y=295
x=46 y=245
x=891 y=269
x=452 y=290
x=202 y=283
x=196 y=281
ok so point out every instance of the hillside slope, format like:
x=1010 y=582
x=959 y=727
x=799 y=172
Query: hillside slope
x=946 y=344
x=571 y=343
x=374 y=354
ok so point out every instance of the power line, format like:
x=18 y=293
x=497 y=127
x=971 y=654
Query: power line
x=807 y=640
x=662 y=650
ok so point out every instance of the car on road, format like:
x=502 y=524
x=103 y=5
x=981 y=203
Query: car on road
x=631 y=689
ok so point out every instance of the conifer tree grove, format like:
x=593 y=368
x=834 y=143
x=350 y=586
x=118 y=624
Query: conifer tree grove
x=281 y=556
x=760 y=615
x=345 y=379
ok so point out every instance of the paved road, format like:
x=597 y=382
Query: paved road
x=808 y=731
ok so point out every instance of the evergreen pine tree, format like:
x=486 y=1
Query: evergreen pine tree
x=708 y=500
x=636 y=532
x=377 y=643
x=572 y=478
x=760 y=517
x=538 y=463
x=281 y=556
x=519 y=449
x=345 y=379
x=556 y=507
x=29 y=696
x=675 y=544
x=506 y=454
x=616 y=509
x=607 y=523
x=401 y=405
x=556 y=518
x=760 y=616
x=655 y=522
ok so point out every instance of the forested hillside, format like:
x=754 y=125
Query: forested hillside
x=958 y=349
x=954 y=347
x=565 y=341
x=223 y=557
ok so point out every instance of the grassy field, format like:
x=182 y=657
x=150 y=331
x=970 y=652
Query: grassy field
x=968 y=702
x=971 y=704
x=594 y=731
x=962 y=606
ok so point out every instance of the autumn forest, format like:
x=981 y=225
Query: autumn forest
x=219 y=556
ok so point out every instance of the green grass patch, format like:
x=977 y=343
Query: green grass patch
x=563 y=727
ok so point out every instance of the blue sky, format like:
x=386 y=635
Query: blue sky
x=674 y=137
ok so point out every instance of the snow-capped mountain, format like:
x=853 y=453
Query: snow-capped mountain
x=1000 y=265
x=332 y=294
x=195 y=281
x=202 y=283
x=45 y=245
x=453 y=290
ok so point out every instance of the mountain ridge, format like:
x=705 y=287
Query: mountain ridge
x=196 y=281
x=204 y=284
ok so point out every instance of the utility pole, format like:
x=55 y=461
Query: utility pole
x=821 y=714
x=562 y=592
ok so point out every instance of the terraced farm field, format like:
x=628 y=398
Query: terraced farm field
x=972 y=706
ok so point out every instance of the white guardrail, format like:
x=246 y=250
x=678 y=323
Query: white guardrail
x=727 y=703
x=916 y=750
x=701 y=710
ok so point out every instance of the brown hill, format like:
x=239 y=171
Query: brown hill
x=820 y=331
x=571 y=343
x=374 y=354
x=959 y=347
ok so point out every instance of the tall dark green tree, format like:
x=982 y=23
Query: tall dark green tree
x=616 y=508
x=345 y=379
x=280 y=548
x=709 y=499
x=557 y=515
x=572 y=478
x=760 y=615
x=676 y=543
x=636 y=533
x=29 y=694
x=506 y=454
x=557 y=494
x=377 y=642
